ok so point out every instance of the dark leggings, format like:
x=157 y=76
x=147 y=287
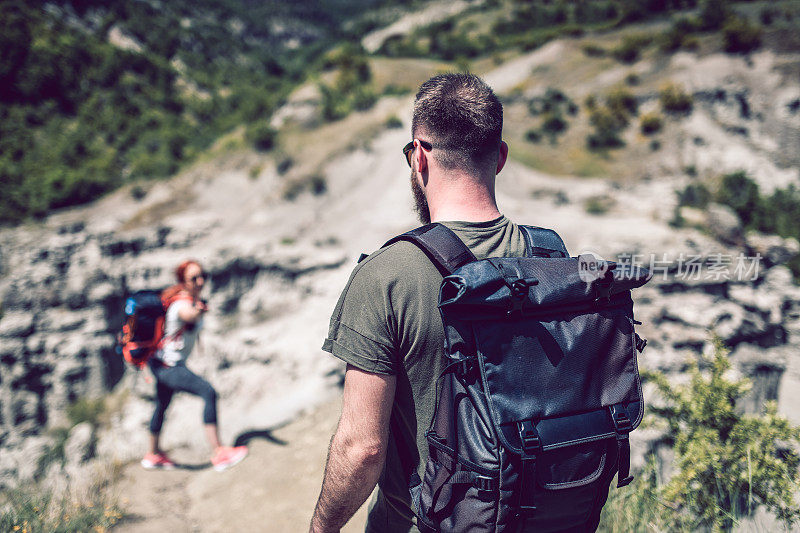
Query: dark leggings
x=170 y=379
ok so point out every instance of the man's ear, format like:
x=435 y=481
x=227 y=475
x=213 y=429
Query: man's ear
x=420 y=157
x=502 y=156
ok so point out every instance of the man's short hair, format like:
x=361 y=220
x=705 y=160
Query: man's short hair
x=461 y=115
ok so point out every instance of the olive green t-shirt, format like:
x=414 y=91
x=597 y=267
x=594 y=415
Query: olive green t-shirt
x=387 y=322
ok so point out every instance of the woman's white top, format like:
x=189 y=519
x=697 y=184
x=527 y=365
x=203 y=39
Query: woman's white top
x=178 y=344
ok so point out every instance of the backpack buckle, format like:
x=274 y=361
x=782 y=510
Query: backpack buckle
x=528 y=436
x=485 y=486
x=622 y=423
x=640 y=343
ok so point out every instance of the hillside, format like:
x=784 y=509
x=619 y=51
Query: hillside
x=279 y=231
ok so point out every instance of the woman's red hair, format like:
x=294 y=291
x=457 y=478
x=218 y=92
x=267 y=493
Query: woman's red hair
x=180 y=274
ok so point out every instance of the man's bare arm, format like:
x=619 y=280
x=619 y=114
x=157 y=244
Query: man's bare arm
x=358 y=448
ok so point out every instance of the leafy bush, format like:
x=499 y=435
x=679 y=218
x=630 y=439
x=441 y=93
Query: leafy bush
x=632 y=79
x=729 y=463
x=679 y=35
x=261 y=135
x=533 y=135
x=593 y=50
x=629 y=50
x=553 y=124
x=740 y=193
x=352 y=88
x=610 y=118
x=694 y=195
x=713 y=14
x=594 y=12
x=393 y=122
x=651 y=123
x=598 y=205
x=740 y=36
x=313 y=183
x=552 y=106
x=622 y=102
x=674 y=99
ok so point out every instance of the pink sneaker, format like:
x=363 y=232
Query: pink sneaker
x=153 y=461
x=227 y=456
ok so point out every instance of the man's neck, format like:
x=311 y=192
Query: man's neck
x=464 y=199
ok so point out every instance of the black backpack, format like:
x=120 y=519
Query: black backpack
x=540 y=390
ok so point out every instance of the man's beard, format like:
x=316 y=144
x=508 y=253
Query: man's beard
x=420 y=202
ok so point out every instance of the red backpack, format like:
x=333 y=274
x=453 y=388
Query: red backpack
x=142 y=333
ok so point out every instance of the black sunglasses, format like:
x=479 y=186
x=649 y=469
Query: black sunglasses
x=409 y=149
x=194 y=279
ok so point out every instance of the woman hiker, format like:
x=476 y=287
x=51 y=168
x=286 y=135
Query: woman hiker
x=184 y=319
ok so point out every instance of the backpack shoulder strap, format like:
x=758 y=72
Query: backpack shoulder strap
x=540 y=240
x=440 y=244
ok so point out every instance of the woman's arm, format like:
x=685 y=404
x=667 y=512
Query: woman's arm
x=192 y=313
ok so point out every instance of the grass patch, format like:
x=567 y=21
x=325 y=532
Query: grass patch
x=651 y=123
x=630 y=49
x=34 y=510
x=599 y=205
x=674 y=99
x=313 y=183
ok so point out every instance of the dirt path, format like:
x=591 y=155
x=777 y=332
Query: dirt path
x=273 y=489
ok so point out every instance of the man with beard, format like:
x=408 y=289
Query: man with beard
x=386 y=325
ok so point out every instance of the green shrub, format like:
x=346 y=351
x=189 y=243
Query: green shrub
x=674 y=99
x=261 y=135
x=553 y=124
x=610 y=118
x=651 y=123
x=533 y=135
x=593 y=50
x=740 y=193
x=740 y=36
x=598 y=205
x=622 y=102
x=729 y=463
x=629 y=50
x=713 y=14
x=632 y=79
x=393 y=122
x=313 y=183
x=364 y=98
x=679 y=35
x=694 y=195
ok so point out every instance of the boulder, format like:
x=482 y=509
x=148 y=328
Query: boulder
x=775 y=249
x=79 y=446
x=724 y=224
x=765 y=369
x=16 y=324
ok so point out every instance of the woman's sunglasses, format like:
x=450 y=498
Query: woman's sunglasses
x=194 y=279
x=409 y=149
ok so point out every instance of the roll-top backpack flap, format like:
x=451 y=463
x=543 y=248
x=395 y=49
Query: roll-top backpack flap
x=549 y=345
x=493 y=287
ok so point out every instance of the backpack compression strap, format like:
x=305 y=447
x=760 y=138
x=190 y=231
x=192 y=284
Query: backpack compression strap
x=542 y=240
x=440 y=244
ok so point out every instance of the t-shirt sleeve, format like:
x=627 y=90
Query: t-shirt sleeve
x=362 y=324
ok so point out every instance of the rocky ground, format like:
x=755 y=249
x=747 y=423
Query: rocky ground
x=277 y=264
